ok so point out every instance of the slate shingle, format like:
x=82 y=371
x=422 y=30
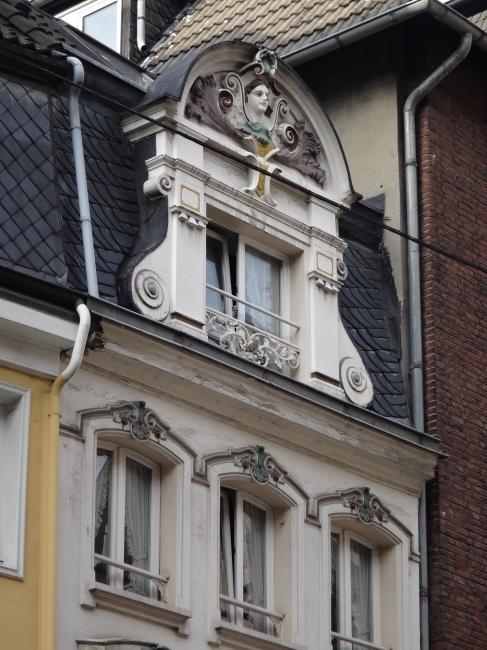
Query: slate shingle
x=111 y=189
x=364 y=312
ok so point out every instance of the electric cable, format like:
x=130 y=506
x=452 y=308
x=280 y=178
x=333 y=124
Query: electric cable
x=245 y=163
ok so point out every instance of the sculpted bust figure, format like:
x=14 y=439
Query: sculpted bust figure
x=257 y=104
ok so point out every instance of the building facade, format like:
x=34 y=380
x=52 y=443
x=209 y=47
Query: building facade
x=237 y=461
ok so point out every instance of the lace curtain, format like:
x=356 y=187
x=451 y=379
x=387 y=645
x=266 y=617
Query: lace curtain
x=103 y=466
x=137 y=521
x=361 y=573
x=262 y=288
x=254 y=569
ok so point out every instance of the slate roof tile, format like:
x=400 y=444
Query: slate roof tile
x=363 y=311
x=111 y=189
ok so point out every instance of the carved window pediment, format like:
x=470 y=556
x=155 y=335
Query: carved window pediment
x=247 y=106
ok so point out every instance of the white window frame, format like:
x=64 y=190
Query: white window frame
x=240 y=497
x=227 y=281
x=75 y=16
x=344 y=581
x=117 y=512
x=14 y=441
x=244 y=241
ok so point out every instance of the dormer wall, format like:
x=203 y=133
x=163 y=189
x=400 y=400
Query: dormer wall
x=257 y=224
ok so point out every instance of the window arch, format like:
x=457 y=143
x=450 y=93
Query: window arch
x=137 y=547
x=368 y=571
x=255 y=527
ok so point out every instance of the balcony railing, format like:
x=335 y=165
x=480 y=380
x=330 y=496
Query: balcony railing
x=249 y=341
x=358 y=642
x=159 y=581
x=275 y=618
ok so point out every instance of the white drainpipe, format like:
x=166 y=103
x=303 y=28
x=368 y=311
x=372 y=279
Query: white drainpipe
x=415 y=329
x=141 y=25
x=79 y=166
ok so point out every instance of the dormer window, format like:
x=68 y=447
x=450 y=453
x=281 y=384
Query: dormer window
x=253 y=275
x=100 y=19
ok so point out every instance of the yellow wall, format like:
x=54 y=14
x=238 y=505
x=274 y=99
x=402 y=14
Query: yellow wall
x=19 y=600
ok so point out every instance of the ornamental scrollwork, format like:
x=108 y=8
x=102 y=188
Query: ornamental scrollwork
x=140 y=420
x=255 y=346
x=247 y=106
x=366 y=506
x=261 y=466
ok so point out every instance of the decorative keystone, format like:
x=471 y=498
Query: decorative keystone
x=261 y=466
x=366 y=506
x=141 y=421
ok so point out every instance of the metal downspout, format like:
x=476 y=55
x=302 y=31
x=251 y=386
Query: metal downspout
x=141 y=25
x=416 y=371
x=48 y=510
x=79 y=166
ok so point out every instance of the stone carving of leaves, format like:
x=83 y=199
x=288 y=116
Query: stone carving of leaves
x=204 y=105
x=303 y=155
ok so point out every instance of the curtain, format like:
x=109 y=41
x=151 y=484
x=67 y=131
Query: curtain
x=103 y=473
x=254 y=569
x=137 y=521
x=361 y=574
x=334 y=585
x=262 y=288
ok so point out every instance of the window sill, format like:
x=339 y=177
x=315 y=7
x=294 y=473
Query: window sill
x=129 y=604
x=240 y=637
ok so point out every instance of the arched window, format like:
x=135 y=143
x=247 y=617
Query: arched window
x=127 y=505
x=355 y=593
x=246 y=558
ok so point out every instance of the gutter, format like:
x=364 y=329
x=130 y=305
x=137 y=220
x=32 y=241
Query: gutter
x=49 y=487
x=441 y=12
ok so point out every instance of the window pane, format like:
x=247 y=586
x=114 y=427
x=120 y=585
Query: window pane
x=102 y=25
x=102 y=510
x=361 y=575
x=254 y=565
x=214 y=274
x=137 y=524
x=334 y=586
x=262 y=288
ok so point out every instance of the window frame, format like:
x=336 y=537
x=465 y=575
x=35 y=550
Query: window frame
x=13 y=478
x=117 y=512
x=284 y=297
x=227 y=281
x=74 y=17
x=344 y=584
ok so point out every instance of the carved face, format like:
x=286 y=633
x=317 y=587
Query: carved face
x=257 y=102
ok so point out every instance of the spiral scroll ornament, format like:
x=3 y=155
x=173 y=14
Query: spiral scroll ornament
x=151 y=294
x=355 y=382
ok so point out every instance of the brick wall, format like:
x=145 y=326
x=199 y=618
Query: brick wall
x=453 y=201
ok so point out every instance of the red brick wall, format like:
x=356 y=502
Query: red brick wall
x=452 y=144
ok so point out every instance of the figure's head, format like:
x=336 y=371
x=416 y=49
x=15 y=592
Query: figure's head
x=257 y=98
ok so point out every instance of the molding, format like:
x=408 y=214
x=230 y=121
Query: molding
x=240 y=637
x=331 y=498
x=92 y=644
x=110 y=412
x=123 y=602
x=14 y=448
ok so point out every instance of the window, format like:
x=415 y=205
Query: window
x=99 y=19
x=251 y=272
x=354 y=589
x=126 y=527
x=14 y=432
x=246 y=542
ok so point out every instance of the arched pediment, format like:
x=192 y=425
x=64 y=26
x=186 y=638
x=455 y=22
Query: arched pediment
x=288 y=132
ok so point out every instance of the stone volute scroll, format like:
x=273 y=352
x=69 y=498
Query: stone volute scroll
x=247 y=106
